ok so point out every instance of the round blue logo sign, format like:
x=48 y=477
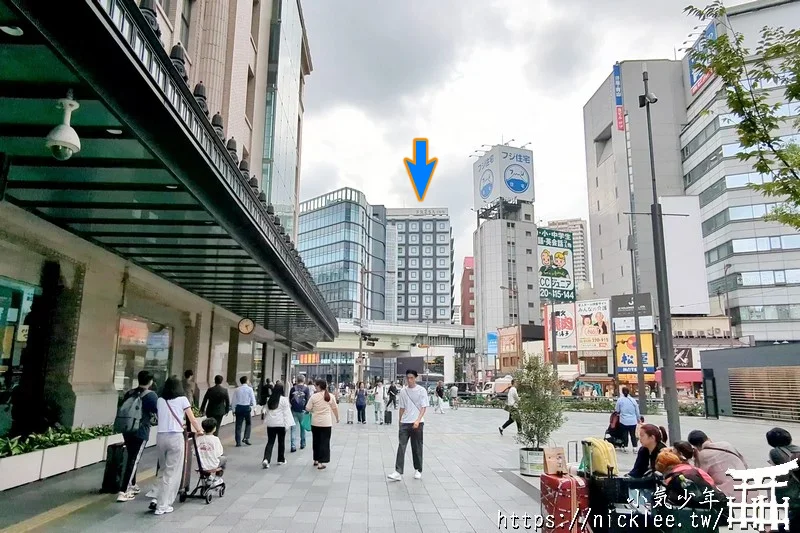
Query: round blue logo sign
x=486 y=184
x=517 y=179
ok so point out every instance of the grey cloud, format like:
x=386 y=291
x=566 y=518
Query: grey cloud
x=318 y=180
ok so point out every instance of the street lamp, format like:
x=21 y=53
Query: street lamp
x=662 y=283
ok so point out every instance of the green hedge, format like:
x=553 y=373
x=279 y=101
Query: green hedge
x=600 y=405
x=52 y=438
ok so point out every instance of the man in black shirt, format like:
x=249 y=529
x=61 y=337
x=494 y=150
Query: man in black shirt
x=216 y=402
x=439 y=398
x=135 y=441
x=392 y=396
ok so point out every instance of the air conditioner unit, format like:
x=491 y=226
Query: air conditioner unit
x=718 y=332
x=680 y=333
x=691 y=333
x=726 y=334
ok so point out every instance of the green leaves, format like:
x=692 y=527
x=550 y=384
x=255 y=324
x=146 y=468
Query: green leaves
x=52 y=438
x=540 y=410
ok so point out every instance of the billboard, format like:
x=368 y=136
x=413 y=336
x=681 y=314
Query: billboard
x=617 y=79
x=686 y=260
x=699 y=77
x=594 y=327
x=491 y=343
x=503 y=172
x=683 y=358
x=626 y=353
x=566 y=339
x=622 y=318
x=556 y=280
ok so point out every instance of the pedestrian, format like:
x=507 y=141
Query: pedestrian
x=146 y=402
x=454 y=396
x=216 y=402
x=380 y=401
x=279 y=418
x=170 y=443
x=653 y=439
x=324 y=412
x=244 y=399
x=628 y=410
x=716 y=458
x=361 y=403
x=190 y=388
x=298 y=398
x=392 y=396
x=783 y=451
x=210 y=452
x=512 y=406
x=439 y=399
x=413 y=402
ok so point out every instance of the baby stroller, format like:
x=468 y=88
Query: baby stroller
x=615 y=434
x=209 y=481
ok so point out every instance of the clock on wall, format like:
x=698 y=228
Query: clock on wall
x=246 y=326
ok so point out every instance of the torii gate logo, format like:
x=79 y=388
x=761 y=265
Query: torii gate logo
x=761 y=511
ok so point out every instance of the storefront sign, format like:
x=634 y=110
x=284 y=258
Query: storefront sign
x=683 y=358
x=626 y=353
x=622 y=311
x=566 y=340
x=22 y=333
x=594 y=331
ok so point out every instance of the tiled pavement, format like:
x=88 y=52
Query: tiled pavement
x=469 y=475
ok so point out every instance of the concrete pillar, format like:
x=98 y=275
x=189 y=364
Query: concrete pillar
x=233 y=357
x=211 y=63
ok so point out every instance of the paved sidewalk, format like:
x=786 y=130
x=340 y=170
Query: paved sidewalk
x=469 y=475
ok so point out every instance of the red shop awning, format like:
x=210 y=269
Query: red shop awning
x=685 y=375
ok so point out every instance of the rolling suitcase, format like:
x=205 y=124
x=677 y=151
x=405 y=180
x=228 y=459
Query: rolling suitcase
x=186 y=475
x=387 y=417
x=565 y=503
x=116 y=459
x=351 y=416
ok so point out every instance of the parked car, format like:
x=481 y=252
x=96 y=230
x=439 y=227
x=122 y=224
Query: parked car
x=466 y=389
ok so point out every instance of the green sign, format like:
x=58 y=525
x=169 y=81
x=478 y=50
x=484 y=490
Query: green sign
x=556 y=278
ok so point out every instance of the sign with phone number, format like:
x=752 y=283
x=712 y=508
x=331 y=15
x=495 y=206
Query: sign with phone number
x=556 y=295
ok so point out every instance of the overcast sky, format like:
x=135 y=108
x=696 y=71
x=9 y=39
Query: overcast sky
x=465 y=73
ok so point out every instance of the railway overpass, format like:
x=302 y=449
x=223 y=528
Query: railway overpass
x=381 y=338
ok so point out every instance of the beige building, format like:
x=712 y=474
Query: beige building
x=580 y=246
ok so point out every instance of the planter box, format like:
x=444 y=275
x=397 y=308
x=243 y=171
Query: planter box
x=59 y=460
x=228 y=419
x=531 y=461
x=90 y=452
x=20 y=469
x=111 y=439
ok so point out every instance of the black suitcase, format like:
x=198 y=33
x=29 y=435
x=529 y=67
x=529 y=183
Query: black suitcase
x=387 y=417
x=610 y=495
x=116 y=459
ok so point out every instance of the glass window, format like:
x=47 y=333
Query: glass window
x=767 y=277
x=412 y=311
x=427 y=300
x=790 y=242
x=401 y=226
x=186 y=21
x=401 y=238
x=427 y=250
x=702 y=168
x=413 y=263
x=442 y=287
x=737 y=180
x=442 y=275
x=442 y=312
x=401 y=274
x=401 y=312
x=141 y=345
x=780 y=277
x=427 y=287
x=441 y=263
x=427 y=226
x=743 y=212
x=427 y=262
x=442 y=250
x=442 y=226
x=413 y=250
x=414 y=226
x=413 y=300
x=427 y=274
x=442 y=300
x=413 y=238
x=741 y=246
x=763 y=244
x=401 y=287
x=442 y=238
x=750 y=279
x=413 y=274
x=401 y=300
x=401 y=263
x=413 y=287
x=793 y=275
x=700 y=139
x=427 y=238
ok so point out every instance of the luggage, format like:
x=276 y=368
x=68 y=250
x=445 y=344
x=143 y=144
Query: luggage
x=565 y=503
x=351 y=416
x=387 y=417
x=599 y=458
x=608 y=495
x=186 y=475
x=116 y=459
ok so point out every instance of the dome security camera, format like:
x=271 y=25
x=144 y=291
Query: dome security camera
x=63 y=140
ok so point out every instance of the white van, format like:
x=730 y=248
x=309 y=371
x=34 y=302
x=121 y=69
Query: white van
x=497 y=388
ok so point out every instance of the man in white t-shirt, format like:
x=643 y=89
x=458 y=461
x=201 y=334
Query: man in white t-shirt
x=412 y=402
x=380 y=402
x=511 y=406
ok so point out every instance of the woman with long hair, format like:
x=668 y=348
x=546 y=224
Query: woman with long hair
x=173 y=407
x=278 y=419
x=653 y=439
x=324 y=411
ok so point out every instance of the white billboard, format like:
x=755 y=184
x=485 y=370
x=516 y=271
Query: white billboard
x=686 y=267
x=503 y=172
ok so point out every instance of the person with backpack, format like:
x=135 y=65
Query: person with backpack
x=298 y=398
x=688 y=487
x=139 y=405
x=783 y=451
x=716 y=458
x=361 y=403
x=628 y=410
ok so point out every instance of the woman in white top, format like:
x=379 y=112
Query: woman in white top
x=324 y=411
x=279 y=418
x=173 y=406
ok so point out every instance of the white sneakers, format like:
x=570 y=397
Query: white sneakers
x=281 y=462
x=417 y=474
x=396 y=476
x=265 y=464
x=163 y=510
x=125 y=496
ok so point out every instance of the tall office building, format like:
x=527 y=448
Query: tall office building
x=750 y=265
x=342 y=240
x=456 y=314
x=468 y=292
x=424 y=264
x=580 y=245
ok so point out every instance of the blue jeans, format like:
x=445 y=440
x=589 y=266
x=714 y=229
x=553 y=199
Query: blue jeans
x=298 y=417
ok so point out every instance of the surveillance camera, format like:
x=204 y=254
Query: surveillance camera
x=63 y=140
x=652 y=98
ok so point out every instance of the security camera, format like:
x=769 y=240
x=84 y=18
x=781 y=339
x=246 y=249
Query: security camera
x=652 y=98
x=63 y=140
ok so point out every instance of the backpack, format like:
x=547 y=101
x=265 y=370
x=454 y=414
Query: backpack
x=129 y=414
x=298 y=398
x=599 y=458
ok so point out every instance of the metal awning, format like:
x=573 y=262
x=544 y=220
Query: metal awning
x=153 y=181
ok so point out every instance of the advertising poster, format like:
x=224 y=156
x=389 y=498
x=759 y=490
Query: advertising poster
x=620 y=111
x=556 y=280
x=491 y=343
x=698 y=77
x=626 y=353
x=594 y=324
x=683 y=358
x=566 y=339
x=622 y=312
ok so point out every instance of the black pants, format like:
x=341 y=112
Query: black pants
x=274 y=434
x=321 y=443
x=629 y=431
x=362 y=413
x=392 y=401
x=407 y=432
x=242 y=417
x=511 y=420
x=135 y=447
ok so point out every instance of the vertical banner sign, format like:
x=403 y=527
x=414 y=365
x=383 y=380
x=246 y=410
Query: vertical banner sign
x=618 y=97
x=566 y=340
x=556 y=280
x=491 y=348
x=594 y=328
x=698 y=77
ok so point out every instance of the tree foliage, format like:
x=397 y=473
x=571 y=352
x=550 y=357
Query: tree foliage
x=540 y=410
x=774 y=62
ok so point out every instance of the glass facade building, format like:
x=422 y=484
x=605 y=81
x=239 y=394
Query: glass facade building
x=342 y=240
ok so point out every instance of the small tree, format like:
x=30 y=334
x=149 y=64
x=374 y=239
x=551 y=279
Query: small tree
x=775 y=61
x=540 y=410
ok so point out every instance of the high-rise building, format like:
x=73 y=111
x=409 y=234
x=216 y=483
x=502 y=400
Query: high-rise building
x=342 y=240
x=424 y=264
x=456 y=314
x=468 y=292
x=580 y=245
x=750 y=265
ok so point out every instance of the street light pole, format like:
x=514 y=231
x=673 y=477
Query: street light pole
x=662 y=283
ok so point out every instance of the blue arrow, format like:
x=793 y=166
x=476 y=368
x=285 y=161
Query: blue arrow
x=420 y=169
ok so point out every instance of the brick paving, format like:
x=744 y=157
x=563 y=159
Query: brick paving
x=469 y=475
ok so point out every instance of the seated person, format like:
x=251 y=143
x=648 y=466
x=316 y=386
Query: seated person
x=686 y=485
x=210 y=451
x=652 y=439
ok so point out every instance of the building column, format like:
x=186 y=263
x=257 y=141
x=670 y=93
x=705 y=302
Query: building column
x=233 y=357
x=212 y=57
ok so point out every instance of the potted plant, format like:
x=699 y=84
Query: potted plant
x=539 y=412
x=59 y=448
x=91 y=444
x=18 y=464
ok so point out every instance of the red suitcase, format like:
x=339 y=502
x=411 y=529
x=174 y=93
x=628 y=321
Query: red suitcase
x=565 y=504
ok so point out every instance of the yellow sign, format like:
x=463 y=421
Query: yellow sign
x=625 y=349
x=633 y=378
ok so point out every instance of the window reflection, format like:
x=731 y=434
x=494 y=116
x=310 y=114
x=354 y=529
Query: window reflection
x=141 y=345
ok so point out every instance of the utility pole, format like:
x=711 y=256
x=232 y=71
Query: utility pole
x=662 y=283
